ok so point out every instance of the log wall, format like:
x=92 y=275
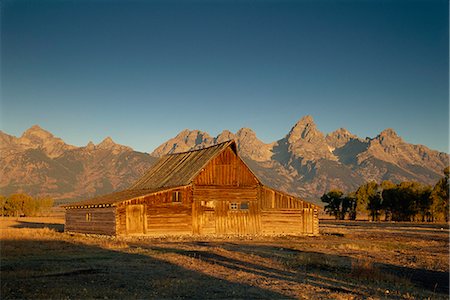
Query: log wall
x=285 y=214
x=162 y=216
x=100 y=221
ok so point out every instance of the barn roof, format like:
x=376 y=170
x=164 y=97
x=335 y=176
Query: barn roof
x=170 y=171
x=113 y=198
x=181 y=168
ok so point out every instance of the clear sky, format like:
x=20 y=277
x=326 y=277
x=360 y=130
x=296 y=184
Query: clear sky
x=141 y=71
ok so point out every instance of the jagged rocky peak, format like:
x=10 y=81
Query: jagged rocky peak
x=388 y=146
x=246 y=133
x=339 y=138
x=305 y=141
x=37 y=138
x=109 y=144
x=34 y=129
x=36 y=134
x=305 y=129
x=106 y=143
x=252 y=147
x=224 y=136
x=90 y=146
x=388 y=132
x=184 y=141
x=341 y=133
x=388 y=137
x=194 y=137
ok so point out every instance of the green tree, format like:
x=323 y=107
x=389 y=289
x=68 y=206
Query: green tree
x=424 y=203
x=20 y=205
x=29 y=206
x=349 y=205
x=334 y=203
x=374 y=206
x=386 y=185
x=408 y=201
x=13 y=205
x=363 y=195
x=414 y=198
x=440 y=198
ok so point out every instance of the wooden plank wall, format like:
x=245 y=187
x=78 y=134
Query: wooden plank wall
x=225 y=180
x=162 y=216
x=136 y=219
x=227 y=169
x=212 y=212
x=282 y=221
x=271 y=199
x=285 y=214
x=169 y=219
x=316 y=221
x=102 y=220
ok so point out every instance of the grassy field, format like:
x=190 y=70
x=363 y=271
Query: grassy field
x=350 y=260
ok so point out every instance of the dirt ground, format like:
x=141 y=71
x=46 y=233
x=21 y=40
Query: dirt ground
x=349 y=260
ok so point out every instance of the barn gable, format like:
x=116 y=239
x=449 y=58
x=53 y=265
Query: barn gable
x=181 y=168
x=226 y=169
x=172 y=170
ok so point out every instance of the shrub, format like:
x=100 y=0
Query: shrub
x=17 y=205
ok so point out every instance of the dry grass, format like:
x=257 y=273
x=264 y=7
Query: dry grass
x=346 y=262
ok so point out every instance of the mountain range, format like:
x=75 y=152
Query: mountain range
x=304 y=162
x=39 y=164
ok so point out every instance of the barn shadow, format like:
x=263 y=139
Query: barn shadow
x=48 y=269
x=293 y=278
x=317 y=269
x=25 y=224
x=435 y=281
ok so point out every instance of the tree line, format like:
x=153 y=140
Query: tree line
x=23 y=205
x=406 y=201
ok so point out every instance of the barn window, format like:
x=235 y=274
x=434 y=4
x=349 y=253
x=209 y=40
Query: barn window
x=234 y=206
x=88 y=217
x=244 y=205
x=176 y=197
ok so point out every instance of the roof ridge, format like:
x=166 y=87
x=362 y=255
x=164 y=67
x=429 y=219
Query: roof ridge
x=201 y=149
x=181 y=168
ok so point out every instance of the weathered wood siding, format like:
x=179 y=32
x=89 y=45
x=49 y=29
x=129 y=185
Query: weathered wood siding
x=285 y=214
x=161 y=215
x=213 y=212
x=225 y=197
x=91 y=220
x=227 y=169
x=135 y=219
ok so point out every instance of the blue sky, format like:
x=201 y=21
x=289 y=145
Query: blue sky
x=141 y=71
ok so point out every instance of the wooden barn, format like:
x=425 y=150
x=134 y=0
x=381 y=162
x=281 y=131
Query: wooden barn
x=207 y=191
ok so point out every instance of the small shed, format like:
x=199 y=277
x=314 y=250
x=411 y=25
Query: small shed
x=200 y=192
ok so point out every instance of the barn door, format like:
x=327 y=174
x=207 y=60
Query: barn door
x=135 y=219
x=208 y=217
